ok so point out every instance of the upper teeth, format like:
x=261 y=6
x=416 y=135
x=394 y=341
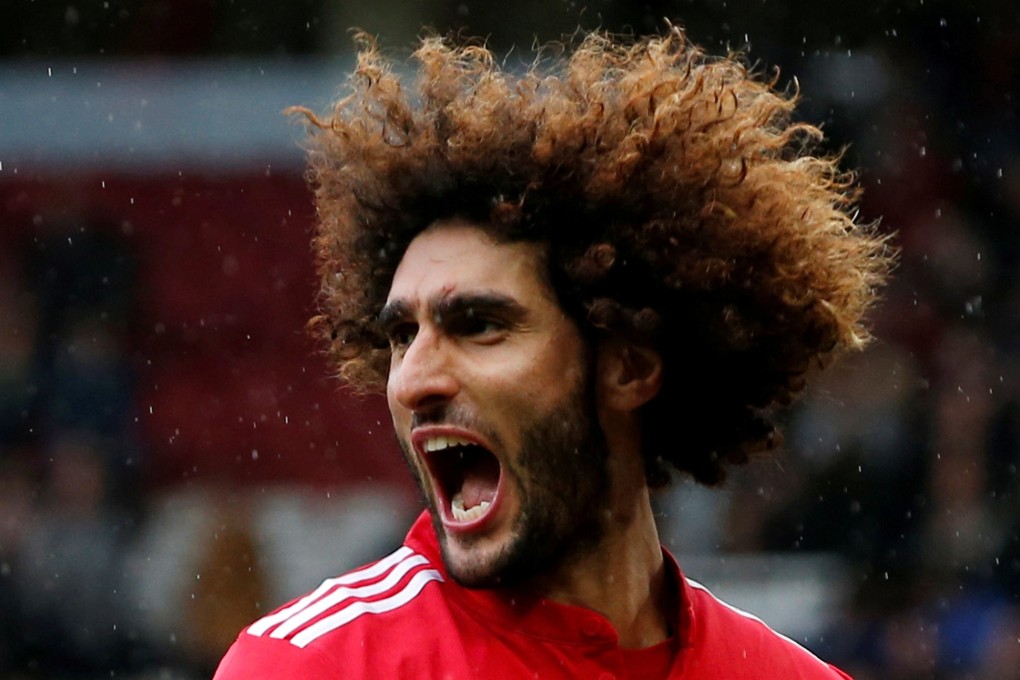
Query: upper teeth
x=439 y=443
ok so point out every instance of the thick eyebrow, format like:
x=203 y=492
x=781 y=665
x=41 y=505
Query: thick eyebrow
x=479 y=304
x=393 y=313
x=453 y=307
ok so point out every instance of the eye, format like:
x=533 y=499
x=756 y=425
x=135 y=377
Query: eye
x=478 y=327
x=402 y=335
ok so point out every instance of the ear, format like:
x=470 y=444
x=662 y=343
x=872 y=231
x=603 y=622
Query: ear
x=629 y=375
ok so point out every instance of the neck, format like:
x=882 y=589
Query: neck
x=622 y=577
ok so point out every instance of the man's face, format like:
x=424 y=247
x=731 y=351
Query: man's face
x=489 y=392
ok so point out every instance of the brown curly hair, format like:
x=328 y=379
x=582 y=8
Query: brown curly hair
x=678 y=203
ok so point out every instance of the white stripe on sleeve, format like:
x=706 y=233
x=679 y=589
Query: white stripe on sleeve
x=344 y=593
x=265 y=623
x=356 y=609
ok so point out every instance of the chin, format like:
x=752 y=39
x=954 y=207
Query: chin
x=469 y=562
x=474 y=576
x=485 y=562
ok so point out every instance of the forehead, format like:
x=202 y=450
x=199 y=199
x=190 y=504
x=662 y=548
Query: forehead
x=451 y=258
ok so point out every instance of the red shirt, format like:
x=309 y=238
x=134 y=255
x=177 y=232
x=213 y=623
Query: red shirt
x=401 y=617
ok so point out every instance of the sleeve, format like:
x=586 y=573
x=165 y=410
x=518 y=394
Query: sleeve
x=732 y=643
x=260 y=658
x=840 y=674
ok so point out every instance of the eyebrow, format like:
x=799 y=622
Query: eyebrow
x=393 y=313
x=453 y=307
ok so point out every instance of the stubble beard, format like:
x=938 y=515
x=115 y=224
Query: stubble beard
x=562 y=481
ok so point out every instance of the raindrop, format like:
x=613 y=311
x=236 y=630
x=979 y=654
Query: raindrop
x=254 y=454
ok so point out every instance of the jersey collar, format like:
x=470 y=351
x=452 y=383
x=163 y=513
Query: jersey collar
x=537 y=616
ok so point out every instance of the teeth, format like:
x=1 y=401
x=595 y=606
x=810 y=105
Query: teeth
x=441 y=442
x=463 y=515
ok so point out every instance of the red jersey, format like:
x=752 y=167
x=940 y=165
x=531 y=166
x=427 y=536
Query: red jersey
x=401 y=617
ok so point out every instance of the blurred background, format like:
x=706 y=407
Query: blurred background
x=175 y=460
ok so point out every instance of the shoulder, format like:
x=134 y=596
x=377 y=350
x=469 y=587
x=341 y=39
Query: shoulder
x=725 y=636
x=346 y=618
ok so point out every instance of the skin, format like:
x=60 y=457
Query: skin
x=481 y=350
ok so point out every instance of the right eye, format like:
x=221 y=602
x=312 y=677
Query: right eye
x=402 y=335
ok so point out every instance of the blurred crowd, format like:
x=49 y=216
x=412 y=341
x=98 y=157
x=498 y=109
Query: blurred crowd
x=902 y=461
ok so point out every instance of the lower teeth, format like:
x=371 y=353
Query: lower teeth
x=461 y=514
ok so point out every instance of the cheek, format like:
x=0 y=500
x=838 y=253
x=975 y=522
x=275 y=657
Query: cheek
x=571 y=373
x=562 y=368
x=535 y=387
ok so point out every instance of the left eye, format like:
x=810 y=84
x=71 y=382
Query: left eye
x=477 y=326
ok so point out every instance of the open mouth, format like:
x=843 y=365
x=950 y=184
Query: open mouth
x=466 y=477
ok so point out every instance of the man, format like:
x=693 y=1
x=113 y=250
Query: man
x=568 y=282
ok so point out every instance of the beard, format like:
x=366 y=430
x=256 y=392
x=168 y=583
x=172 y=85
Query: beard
x=562 y=481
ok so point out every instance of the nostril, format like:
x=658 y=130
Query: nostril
x=430 y=398
x=430 y=414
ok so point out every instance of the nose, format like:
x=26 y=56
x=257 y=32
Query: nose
x=422 y=378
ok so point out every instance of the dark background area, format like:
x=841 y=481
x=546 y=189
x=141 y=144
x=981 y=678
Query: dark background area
x=174 y=458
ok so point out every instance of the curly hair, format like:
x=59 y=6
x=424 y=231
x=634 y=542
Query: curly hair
x=678 y=203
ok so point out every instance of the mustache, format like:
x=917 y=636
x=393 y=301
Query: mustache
x=444 y=414
x=455 y=416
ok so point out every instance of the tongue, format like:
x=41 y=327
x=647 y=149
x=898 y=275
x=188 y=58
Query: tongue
x=481 y=477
